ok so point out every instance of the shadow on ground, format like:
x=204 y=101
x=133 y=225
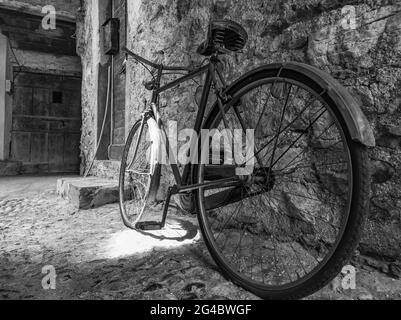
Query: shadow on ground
x=95 y=257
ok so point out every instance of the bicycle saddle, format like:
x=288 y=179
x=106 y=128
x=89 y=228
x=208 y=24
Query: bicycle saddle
x=223 y=34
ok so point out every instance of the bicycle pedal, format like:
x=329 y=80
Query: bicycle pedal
x=149 y=226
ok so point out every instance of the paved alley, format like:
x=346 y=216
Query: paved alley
x=96 y=257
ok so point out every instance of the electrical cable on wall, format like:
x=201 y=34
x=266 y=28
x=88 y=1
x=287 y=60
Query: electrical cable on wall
x=20 y=66
x=104 y=123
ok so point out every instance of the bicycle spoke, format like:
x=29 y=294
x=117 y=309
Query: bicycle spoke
x=291 y=209
x=289 y=125
x=290 y=242
x=135 y=176
x=299 y=138
x=235 y=213
x=307 y=150
x=308 y=213
x=262 y=113
x=275 y=251
x=279 y=172
x=279 y=128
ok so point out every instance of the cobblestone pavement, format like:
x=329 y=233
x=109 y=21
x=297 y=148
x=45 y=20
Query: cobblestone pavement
x=95 y=257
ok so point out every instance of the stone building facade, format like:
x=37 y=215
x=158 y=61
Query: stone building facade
x=40 y=85
x=356 y=41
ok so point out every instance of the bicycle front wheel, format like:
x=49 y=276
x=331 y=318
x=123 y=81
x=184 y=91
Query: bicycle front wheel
x=286 y=229
x=136 y=183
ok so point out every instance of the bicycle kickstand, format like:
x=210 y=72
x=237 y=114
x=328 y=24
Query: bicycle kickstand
x=152 y=225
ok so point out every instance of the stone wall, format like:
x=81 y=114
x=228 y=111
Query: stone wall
x=88 y=49
x=41 y=50
x=365 y=55
x=49 y=63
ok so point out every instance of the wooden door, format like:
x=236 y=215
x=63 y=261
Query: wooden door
x=46 y=123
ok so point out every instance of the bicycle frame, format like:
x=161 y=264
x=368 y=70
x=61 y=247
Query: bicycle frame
x=213 y=76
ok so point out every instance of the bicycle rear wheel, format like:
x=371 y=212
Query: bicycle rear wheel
x=286 y=230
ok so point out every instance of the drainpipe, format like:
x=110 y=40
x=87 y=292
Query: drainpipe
x=3 y=107
x=112 y=103
x=126 y=26
x=112 y=90
x=112 y=126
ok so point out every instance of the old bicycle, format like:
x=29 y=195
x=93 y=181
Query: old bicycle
x=285 y=229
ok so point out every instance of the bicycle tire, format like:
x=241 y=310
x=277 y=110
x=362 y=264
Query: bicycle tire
x=359 y=202
x=150 y=184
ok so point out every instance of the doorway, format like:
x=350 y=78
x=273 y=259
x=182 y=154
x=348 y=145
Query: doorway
x=46 y=123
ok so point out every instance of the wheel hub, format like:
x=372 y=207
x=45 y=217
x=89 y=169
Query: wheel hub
x=264 y=177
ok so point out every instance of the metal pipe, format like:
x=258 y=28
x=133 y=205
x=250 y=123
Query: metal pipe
x=126 y=23
x=112 y=125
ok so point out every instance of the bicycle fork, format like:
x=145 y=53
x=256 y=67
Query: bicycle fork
x=158 y=139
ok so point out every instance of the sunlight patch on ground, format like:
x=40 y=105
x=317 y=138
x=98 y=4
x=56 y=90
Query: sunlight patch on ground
x=177 y=233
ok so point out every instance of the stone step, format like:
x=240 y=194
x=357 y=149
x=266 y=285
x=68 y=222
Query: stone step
x=88 y=193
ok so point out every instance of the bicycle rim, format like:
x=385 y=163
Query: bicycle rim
x=135 y=175
x=284 y=236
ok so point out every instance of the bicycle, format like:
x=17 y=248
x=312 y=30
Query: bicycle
x=286 y=229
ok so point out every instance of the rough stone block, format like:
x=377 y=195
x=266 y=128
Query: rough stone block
x=88 y=193
x=106 y=169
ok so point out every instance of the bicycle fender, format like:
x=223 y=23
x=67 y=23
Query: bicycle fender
x=350 y=109
x=356 y=121
x=158 y=140
x=155 y=157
